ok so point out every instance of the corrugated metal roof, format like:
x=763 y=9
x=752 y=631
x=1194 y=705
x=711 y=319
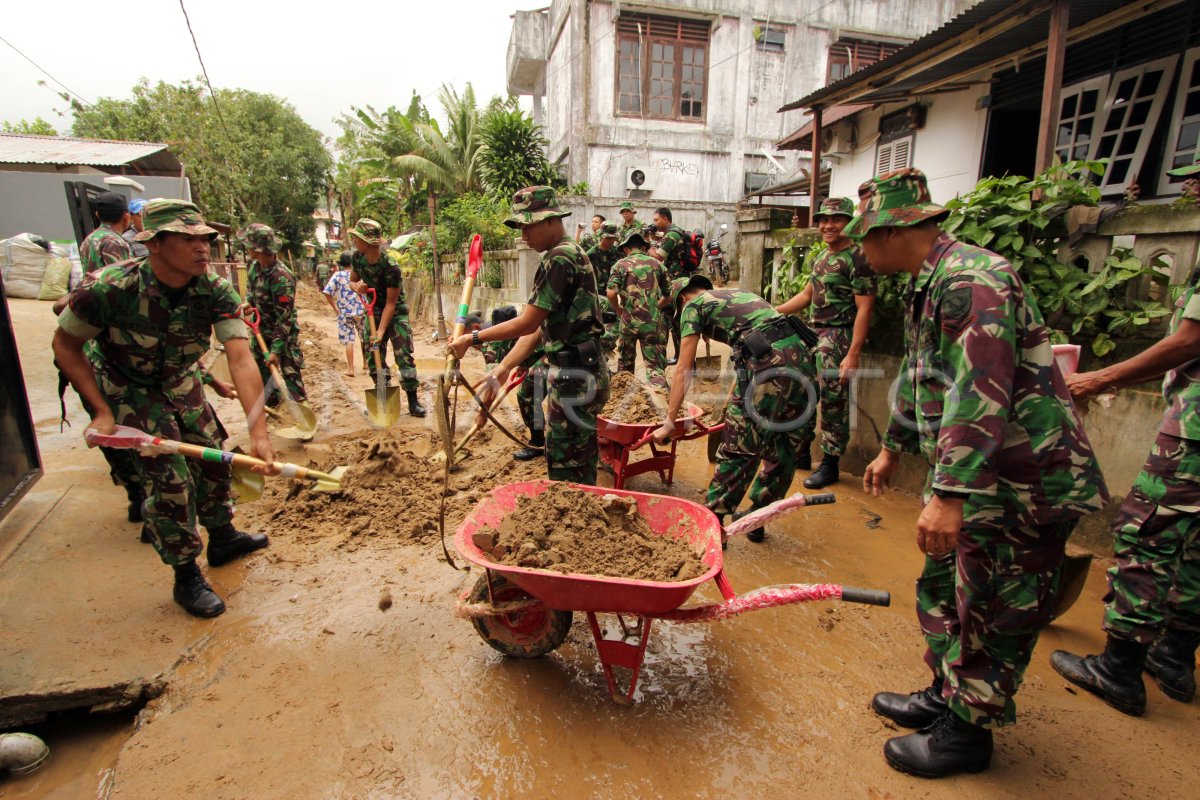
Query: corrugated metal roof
x=968 y=47
x=63 y=150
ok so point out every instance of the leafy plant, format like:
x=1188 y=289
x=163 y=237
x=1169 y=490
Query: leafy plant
x=514 y=151
x=469 y=214
x=1025 y=221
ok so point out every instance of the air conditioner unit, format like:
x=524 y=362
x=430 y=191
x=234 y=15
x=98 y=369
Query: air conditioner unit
x=638 y=178
x=837 y=141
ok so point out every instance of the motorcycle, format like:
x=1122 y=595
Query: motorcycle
x=718 y=268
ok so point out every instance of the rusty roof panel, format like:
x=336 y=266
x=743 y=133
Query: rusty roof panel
x=25 y=149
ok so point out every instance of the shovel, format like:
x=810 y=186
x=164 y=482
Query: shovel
x=133 y=439
x=514 y=380
x=302 y=414
x=1070 y=583
x=383 y=403
x=714 y=438
x=707 y=363
x=442 y=407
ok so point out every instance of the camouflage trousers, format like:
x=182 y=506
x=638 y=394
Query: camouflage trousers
x=122 y=463
x=531 y=394
x=576 y=398
x=982 y=608
x=290 y=362
x=608 y=341
x=400 y=337
x=654 y=352
x=834 y=395
x=180 y=492
x=1155 y=578
x=764 y=424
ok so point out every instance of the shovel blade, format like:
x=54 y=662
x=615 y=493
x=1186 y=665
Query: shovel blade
x=295 y=432
x=330 y=482
x=247 y=483
x=1070 y=584
x=304 y=417
x=383 y=407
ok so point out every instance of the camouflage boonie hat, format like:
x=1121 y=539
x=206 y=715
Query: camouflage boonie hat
x=608 y=230
x=835 y=207
x=367 y=229
x=534 y=204
x=260 y=237
x=172 y=216
x=900 y=200
x=1190 y=169
x=681 y=285
x=631 y=237
x=627 y=206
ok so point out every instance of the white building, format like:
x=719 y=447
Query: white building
x=675 y=102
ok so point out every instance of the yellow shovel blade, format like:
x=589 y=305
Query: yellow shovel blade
x=328 y=481
x=247 y=484
x=384 y=411
x=305 y=418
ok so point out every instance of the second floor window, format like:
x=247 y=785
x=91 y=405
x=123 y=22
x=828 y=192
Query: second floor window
x=847 y=56
x=662 y=66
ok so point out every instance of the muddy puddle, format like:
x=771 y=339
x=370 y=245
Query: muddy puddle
x=341 y=670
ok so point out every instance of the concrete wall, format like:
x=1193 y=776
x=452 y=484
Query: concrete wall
x=36 y=202
x=703 y=161
x=1121 y=437
x=949 y=149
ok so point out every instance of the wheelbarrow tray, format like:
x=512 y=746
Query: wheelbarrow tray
x=666 y=516
x=626 y=433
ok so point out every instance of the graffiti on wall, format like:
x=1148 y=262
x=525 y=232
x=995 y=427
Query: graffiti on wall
x=671 y=166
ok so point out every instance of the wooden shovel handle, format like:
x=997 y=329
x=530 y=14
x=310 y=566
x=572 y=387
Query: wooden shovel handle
x=242 y=460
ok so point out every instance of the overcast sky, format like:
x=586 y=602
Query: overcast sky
x=321 y=57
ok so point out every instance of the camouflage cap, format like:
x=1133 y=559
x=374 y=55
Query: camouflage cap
x=681 y=285
x=1190 y=169
x=628 y=206
x=534 y=204
x=367 y=229
x=899 y=199
x=835 y=207
x=608 y=231
x=260 y=237
x=172 y=216
x=634 y=239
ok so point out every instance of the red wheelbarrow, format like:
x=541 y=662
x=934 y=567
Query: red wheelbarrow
x=526 y=613
x=619 y=440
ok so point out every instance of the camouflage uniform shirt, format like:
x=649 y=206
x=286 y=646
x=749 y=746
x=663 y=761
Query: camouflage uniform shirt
x=102 y=247
x=727 y=315
x=602 y=262
x=565 y=285
x=836 y=279
x=1181 y=386
x=384 y=274
x=640 y=282
x=273 y=291
x=673 y=245
x=980 y=398
x=152 y=336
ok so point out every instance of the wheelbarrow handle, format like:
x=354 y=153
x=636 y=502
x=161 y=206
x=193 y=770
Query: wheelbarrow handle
x=870 y=597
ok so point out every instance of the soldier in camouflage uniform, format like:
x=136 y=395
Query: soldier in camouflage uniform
x=152 y=319
x=106 y=245
x=1012 y=471
x=629 y=222
x=271 y=288
x=770 y=404
x=841 y=292
x=636 y=287
x=563 y=314
x=591 y=238
x=531 y=394
x=603 y=256
x=1152 y=612
x=669 y=250
x=372 y=267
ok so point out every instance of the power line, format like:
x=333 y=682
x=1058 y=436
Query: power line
x=203 y=69
x=44 y=72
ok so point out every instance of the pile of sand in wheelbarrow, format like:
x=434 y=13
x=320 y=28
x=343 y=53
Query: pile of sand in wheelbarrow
x=569 y=530
x=630 y=401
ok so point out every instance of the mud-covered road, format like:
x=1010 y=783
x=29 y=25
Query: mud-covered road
x=341 y=671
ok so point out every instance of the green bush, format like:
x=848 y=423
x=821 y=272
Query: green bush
x=465 y=216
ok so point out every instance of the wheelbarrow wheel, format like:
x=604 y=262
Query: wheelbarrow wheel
x=530 y=633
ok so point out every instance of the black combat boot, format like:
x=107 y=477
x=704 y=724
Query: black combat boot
x=193 y=592
x=1115 y=675
x=1172 y=662
x=136 y=497
x=756 y=535
x=826 y=474
x=227 y=543
x=415 y=408
x=536 y=448
x=804 y=456
x=949 y=745
x=914 y=710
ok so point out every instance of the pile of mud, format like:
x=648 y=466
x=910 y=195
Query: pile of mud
x=391 y=492
x=569 y=530
x=630 y=401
